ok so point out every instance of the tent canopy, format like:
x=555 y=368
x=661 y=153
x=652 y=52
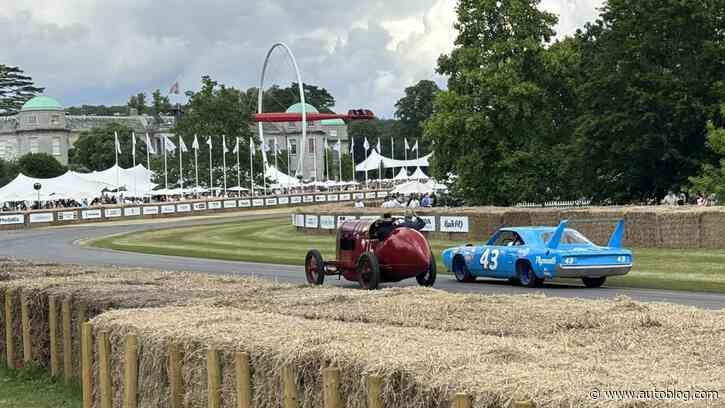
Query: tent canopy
x=281 y=178
x=402 y=174
x=133 y=179
x=419 y=175
x=66 y=186
x=374 y=160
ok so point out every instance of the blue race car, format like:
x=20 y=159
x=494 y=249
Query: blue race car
x=530 y=255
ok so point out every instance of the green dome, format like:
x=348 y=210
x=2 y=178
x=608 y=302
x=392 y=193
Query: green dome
x=332 y=122
x=297 y=108
x=43 y=103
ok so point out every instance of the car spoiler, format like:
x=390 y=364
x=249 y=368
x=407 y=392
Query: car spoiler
x=617 y=236
x=556 y=238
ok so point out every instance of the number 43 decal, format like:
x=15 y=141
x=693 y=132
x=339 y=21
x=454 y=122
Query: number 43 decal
x=491 y=263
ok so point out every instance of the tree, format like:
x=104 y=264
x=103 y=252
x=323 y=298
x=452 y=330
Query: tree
x=161 y=104
x=95 y=148
x=712 y=177
x=15 y=89
x=278 y=99
x=416 y=107
x=487 y=127
x=98 y=110
x=138 y=102
x=652 y=77
x=40 y=165
x=8 y=172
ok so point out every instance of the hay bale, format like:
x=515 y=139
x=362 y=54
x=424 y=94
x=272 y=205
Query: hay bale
x=679 y=229
x=641 y=228
x=712 y=229
x=517 y=218
x=549 y=217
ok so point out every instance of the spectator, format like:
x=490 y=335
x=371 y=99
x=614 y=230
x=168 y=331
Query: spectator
x=359 y=203
x=413 y=202
x=426 y=202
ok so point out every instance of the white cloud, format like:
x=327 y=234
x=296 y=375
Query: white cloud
x=364 y=52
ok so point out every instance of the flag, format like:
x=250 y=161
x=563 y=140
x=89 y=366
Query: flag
x=149 y=146
x=133 y=144
x=415 y=146
x=224 y=144
x=170 y=146
x=407 y=146
x=251 y=147
x=366 y=145
x=337 y=147
x=182 y=145
x=276 y=147
x=208 y=142
x=236 y=147
x=118 y=145
x=352 y=146
x=378 y=146
x=174 y=88
x=195 y=145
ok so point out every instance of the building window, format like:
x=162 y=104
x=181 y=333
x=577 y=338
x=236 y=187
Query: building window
x=34 y=145
x=31 y=119
x=55 y=120
x=293 y=147
x=333 y=133
x=311 y=146
x=56 y=146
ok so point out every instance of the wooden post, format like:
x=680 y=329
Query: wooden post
x=53 y=326
x=244 y=380
x=289 y=385
x=524 y=404
x=462 y=401
x=176 y=384
x=81 y=321
x=67 y=342
x=104 y=369
x=213 y=382
x=87 y=364
x=25 y=320
x=331 y=388
x=9 y=341
x=375 y=391
x=130 y=397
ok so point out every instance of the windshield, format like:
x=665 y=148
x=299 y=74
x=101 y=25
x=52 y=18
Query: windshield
x=570 y=237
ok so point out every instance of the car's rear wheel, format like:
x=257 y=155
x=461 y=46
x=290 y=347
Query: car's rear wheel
x=594 y=282
x=314 y=268
x=368 y=271
x=460 y=270
x=428 y=278
x=527 y=277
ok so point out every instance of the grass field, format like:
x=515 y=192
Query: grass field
x=276 y=241
x=32 y=387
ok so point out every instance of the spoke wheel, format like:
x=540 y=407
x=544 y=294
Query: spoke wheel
x=368 y=270
x=428 y=278
x=314 y=268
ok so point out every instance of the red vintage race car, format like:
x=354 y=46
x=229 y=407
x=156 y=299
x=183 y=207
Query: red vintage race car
x=375 y=251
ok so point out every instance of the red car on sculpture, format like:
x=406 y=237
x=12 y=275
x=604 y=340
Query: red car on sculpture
x=375 y=251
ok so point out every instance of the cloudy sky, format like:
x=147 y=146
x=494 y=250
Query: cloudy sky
x=364 y=51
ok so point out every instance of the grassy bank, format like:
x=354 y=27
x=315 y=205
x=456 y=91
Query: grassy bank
x=32 y=387
x=276 y=241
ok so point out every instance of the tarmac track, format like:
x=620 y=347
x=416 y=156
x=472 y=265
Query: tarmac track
x=62 y=245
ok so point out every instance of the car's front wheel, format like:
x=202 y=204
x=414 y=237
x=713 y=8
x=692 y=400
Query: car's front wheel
x=314 y=268
x=368 y=270
x=594 y=282
x=527 y=277
x=428 y=278
x=460 y=270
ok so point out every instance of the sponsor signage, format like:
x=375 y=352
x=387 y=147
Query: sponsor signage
x=299 y=220
x=296 y=200
x=311 y=221
x=168 y=209
x=66 y=215
x=215 y=205
x=183 y=207
x=327 y=222
x=308 y=199
x=12 y=219
x=113 y=212
x=370 y=195
x=369 y=217
x=430 y=223
x=382 y=194
x=453 y=224
x=283 y=200
x=257 y=202
x=358 y=196
x=91 y=214
x=199 y=206
x=132 y=211
x=342 y=218
x=271 y=201
x=150 y=210
x=41 y=217
x=230 y=204
x=245 y=203
x=332 y=197
x=345 y=197
x=320 y=198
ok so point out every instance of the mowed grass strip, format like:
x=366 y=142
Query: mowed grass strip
x=33 y=387
x=276 y=241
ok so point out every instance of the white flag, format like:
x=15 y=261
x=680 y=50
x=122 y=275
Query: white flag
x=337 y=147
x=224 y=144
x=407 y=146
x=251 y=147
x=415 y=146
x=133 y=144
x=208 y=142
x=366 y=145
x=195 y=145
x=118 y=145
x=149 y=146
x=378 y=146
x=276 y=147
x=352 y=146
x=182 y=145
x=170 y=146
x=236 y=147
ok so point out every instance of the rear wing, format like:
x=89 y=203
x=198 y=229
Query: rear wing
x=556 y=238
x=617 y=236
x=614 y=242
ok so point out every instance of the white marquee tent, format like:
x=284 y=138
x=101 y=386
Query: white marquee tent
x=419 y=175
x=374 y=160
x=402 y=175
x=66 y=186
x=133 y=179
x=280 y=178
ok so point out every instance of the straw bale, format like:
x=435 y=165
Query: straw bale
x=712 y=226
x=517 y=218
x=679 y=229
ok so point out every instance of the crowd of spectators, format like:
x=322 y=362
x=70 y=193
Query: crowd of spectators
x=412 y=201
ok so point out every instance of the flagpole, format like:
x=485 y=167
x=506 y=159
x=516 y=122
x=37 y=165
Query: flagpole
x=224 y=162
x=133 y=156
x=289 y=171
x=352 y=157
x=148 y=152
x=251 y=166
x=166 y=174
x=339 y=163
x=211 y=169
x=181 y=167
x=325 y=169
x=392 y=152
x=196 y=164
x=314 y=155
x=116 y=146
x=406 y=155
x=239 y=170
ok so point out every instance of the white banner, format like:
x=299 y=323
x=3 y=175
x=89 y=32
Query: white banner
x=183 y=207
x=215 y=205
x=345 y=197
x=327 y=221
x=150 y=210
x=199 y=206
x=332 y=197
x=300 y=220
x=358 y=196
x=311 y=221
x=257 y=202
x=453 y=224
x=370 y=195
x=12 y=219
x=271 y=201
x=369 y=217
x=320 y=198
x=342 y=218
x=283 y=200
x=131 y=211
x=308 y=199
x=230 y=204
x=430 y=223
x=382 y=194
x=168 y=209
x=91 y=214
x=296 y=200
x=113 y=212
x=36 y=218
x=66 y=215
x=245 y=203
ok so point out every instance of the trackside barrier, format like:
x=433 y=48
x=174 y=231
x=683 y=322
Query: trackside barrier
x=102 y=373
